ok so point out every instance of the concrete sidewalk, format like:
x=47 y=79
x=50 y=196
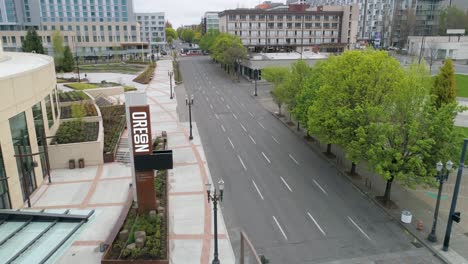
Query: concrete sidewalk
x=190 y=215
x=420 y=202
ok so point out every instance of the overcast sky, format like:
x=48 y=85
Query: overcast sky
x=187 y=12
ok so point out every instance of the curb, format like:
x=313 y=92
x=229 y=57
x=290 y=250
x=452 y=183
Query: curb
x=343 y=173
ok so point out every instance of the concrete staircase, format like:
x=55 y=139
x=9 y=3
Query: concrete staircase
x=123 y=152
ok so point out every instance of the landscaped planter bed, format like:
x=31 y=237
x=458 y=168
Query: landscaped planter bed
x=146 y=76
x=73 y=96
x=74 y=111
x=85 y=86
x=77 y=131
x=155 y=246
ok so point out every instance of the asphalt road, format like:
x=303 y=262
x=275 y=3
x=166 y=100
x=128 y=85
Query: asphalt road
x=293 y=205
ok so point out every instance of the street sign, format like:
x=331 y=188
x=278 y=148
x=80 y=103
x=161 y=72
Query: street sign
x=455 y=31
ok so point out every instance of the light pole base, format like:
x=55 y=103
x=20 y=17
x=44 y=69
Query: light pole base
x=215 y=261
x=432 y=238
x=171 y=97
x=190 y=138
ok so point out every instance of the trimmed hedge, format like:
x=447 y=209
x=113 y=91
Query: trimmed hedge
x=77 y=131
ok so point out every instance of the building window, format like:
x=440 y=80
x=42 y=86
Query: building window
x=50 y=117
x=4 y=193
x=21 y=144
x=40 y=135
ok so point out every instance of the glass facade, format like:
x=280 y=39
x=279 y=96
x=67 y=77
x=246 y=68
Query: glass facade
x=4 y=193
x=50 y=114
x=22 y=145
x=40 y=135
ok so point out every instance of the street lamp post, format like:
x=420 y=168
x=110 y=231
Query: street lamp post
x=189 y=102
x=255 y=79
x=216 y=198
x=441 y=177
x=170 y=73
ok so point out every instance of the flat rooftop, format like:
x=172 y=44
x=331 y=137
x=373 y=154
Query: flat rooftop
x=13 y=63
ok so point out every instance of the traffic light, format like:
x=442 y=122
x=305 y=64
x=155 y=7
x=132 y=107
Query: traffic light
x=456 y=217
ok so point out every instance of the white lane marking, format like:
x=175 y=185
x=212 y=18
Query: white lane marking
x=275 y=139
x=362 y=231
x=222 y=127
x=243 y=165
x=261 y=125
x=267 y=159
x=243 y=127
x=232 y=145
x=217 y=117
x=211 y=106
x=285 y=183
x=228 y=107
x=291 y=156
x=234 y=115
x=281 y=229
x=251 y=138
x=216 y=91
x=315 y=222
x=318 y=185
x=258 y=190
x=222 y=99
x=251 y=114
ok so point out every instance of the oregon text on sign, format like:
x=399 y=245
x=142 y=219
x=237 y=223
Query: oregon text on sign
x=140 y=132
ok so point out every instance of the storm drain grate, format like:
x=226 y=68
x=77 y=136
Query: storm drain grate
x=416 y=244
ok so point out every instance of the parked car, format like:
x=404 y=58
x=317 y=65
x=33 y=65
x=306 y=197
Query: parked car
x=163 y=52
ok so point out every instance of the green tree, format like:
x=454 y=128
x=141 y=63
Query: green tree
x=207 y=41
x=197 y=37
x=403 y=144
x=277 y=76
x=68 y=61
x=171 y=34
x=228 y=50
x=295 y=82
x=32 y=42
x=188 y=35
x=179 y=32
x=444 y=89
x=57 y=43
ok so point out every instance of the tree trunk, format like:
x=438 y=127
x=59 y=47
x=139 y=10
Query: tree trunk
x=290 y=116
x=298 y=126
x=279 y=109
x=388 y=189
x=353 y=168
x=329 y=148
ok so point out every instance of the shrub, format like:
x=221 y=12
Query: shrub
x=146 y=76
x=113 y=118
x=77 y=131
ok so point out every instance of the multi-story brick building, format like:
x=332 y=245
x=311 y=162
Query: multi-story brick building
x=296 y=29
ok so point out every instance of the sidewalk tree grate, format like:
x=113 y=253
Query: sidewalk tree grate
x=416 y=244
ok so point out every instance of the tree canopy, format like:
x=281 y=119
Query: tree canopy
x=68 y=62
x=57 y=43
x=452 y=18
x=187 y=35
x=444 y=88
x=375 y=109
x=32 y=42
x=207 y=41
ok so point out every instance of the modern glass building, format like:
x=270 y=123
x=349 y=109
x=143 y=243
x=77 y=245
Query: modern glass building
x=210 y=21
x=28 y=114
x=152 y=27
x=89 y=27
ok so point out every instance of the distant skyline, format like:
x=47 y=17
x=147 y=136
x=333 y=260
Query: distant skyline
x=188 y=12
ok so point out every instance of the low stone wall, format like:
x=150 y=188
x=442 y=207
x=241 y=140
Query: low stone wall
x=109 y=91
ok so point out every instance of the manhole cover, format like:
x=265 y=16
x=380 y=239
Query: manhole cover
x=416 y=244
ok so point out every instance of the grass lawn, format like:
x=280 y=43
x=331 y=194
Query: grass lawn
x=84 y=86
x=462 y=85
x=113 y=67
